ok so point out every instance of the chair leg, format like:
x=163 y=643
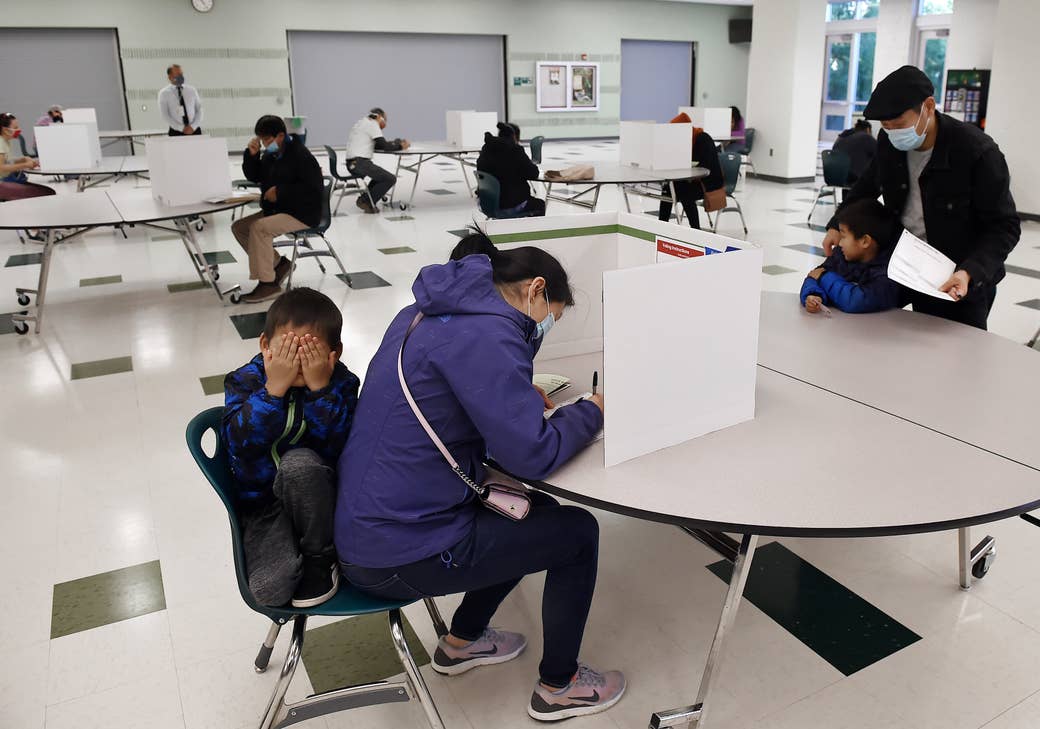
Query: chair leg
x=813 y=208
x=332 y=252
x=435 y=615
x=741 y=213
x=342 y=192
x=264 y=656
x=292 y=263
x=415 y=678
x=292 y=659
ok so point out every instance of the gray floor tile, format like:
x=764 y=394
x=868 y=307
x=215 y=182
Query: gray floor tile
x=23 y=259
x=774 y=270
x=810 y=226
x=806 y=248
x=1031 y=304
x=6 y=323
x=787 y=210
x=396 y=249
x=461 y=232
x=107 y=598
x=363 y=280
x=176 y=288
x=355 y=651
x=249 y=326
x=1021 y=271
x=101 y=280
x=212 y=385
x=398 y=218
x=441 y=191
x=101 y=367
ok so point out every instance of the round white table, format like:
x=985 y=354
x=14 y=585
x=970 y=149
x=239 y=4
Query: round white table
x=946 y=410
x=629 y=180
x=110 y=168
x=424 y=152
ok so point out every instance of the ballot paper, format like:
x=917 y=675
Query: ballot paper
x=918 y=266
x=552 y=384
x=577 y=398
x=234 y=197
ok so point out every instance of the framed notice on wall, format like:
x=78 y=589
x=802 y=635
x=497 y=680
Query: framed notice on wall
x=567 y=86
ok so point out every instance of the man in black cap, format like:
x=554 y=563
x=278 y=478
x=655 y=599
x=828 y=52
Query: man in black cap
x=366 y=137
x=949 y=184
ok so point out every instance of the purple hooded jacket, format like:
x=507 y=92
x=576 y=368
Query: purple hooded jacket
x=469 y=367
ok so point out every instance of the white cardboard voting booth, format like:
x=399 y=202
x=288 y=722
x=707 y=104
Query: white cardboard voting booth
x=674 y=311
x=466 y=128
x=188 y=170
x=81 y=115
x=68 y=146
x=715 y=120
x=654 y=146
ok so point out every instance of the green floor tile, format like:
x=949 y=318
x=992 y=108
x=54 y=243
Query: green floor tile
x=840 y=626
x=440 y=191
x=109 y=597
x=396 y=249
x=6 y=323
x=212 y=385
x=218 y=257
x=461 y=232
x=806 y=248
x=100 y=367
x=101 y=280
x=362 y=280
x=774 y=270
x=355 y=651
x=176 y=288
x=23 y=259
x=250 y=326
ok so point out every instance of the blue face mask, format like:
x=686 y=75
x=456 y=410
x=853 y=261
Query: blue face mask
x=543 y=327
x=271 y=148
x=907 y=140
x=178 y=80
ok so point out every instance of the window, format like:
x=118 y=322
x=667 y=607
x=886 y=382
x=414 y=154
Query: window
x=855 y=9
x=849 y=63
x=935 y=7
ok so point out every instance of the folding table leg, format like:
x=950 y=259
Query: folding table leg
x=207 y=273
x=415 y=180
x=696 y=714
x=41 y=287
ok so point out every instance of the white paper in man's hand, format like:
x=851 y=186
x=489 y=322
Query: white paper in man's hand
x=918 y=266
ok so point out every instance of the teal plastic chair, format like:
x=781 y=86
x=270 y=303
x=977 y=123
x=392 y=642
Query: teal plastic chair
x=302 y=238
x=536 y=150
x=730 y=163
x=349 y=601
x=836 y=167
x=489 y=193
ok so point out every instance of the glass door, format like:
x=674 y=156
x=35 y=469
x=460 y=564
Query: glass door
x=932 y=57
x=848 y=81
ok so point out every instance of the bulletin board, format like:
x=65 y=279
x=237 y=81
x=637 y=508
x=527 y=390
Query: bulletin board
x=567 y=86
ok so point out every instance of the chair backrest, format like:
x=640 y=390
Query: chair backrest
x=836 y=166
x=536 y=150
x=749 y=139
x=489 y=192
x=217 y=470
x=333 y=162
x=326 y=205
x=730 y=163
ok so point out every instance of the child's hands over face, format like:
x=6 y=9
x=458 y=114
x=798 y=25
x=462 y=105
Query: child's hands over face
x=317 y=362
x=813 y=304
x=282 y=363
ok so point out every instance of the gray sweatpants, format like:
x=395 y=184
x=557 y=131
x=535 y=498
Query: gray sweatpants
x=298 y=522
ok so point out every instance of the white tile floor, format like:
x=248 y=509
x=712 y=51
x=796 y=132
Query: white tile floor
x=95 y=477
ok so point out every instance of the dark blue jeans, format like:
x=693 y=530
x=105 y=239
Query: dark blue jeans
x=563 y=541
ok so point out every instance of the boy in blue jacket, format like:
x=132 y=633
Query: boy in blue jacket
x=854 y=278
x=287 y=413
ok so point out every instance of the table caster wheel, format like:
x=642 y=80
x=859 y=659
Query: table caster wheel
x=199 y=225
x=980 y=568
x=403 y=206
x=215 y=275
x=23 y=299
x=21 y=327
x=236 y=298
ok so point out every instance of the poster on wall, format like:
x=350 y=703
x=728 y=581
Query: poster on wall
x=552 y=87
x=567 y=86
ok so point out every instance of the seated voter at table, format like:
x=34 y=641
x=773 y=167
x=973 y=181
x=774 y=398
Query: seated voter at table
x=291 y=187
x=14 y=184
x=854 y=278
x=180 y=105
x=948 y=183
x=505 y=159
x=688 y=192
x=366 y=138
x=860 y=146
x=407 y=526
x=53 y=116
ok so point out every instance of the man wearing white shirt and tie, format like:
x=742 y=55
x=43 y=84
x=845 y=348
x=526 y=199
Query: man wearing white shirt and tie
x=180 y=105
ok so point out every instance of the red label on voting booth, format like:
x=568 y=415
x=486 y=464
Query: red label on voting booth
x=675 y=249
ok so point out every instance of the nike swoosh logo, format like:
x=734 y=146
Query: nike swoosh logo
x=594 y=697
x=491 y=652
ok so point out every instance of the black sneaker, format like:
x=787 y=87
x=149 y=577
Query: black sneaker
x=282 y=270
x=319 y=583
x=264 y=291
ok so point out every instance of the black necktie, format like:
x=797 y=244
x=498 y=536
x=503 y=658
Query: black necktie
x=180 y=96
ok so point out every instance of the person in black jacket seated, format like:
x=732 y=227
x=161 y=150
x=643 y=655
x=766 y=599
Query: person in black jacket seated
x=505 y=159
x=688 y=192
x=291 y=195
x=859 y=144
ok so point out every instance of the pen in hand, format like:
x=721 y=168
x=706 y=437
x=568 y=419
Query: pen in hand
x=595 y=381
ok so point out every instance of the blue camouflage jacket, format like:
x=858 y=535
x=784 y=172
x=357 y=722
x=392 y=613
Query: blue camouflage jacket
x=259 y=428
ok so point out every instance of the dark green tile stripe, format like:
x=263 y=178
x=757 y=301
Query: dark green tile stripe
x=176 y=288
x=23 y=259
x=101 y=367
x=355 y=651
x=109 y=597
x=218 y=257
x=397 y=249
x=212 y=385
x=363 y=280
x=461 y=232
x=249 y=326
x=101 y=280
x=837 y=624
x=6 y=323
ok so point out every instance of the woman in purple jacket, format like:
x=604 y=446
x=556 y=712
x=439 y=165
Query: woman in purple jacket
x=408 y=527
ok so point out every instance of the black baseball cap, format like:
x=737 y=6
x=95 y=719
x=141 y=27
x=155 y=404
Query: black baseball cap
x=903 y=89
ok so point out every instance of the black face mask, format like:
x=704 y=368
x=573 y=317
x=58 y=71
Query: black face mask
x=58 y=119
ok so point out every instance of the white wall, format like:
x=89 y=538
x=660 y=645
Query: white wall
x=1013 y=103
x=236 y=55
x=895 y=36
x=784 y=83
x=972 y=34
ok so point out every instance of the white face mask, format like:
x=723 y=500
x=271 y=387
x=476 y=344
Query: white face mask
x=907 y=140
